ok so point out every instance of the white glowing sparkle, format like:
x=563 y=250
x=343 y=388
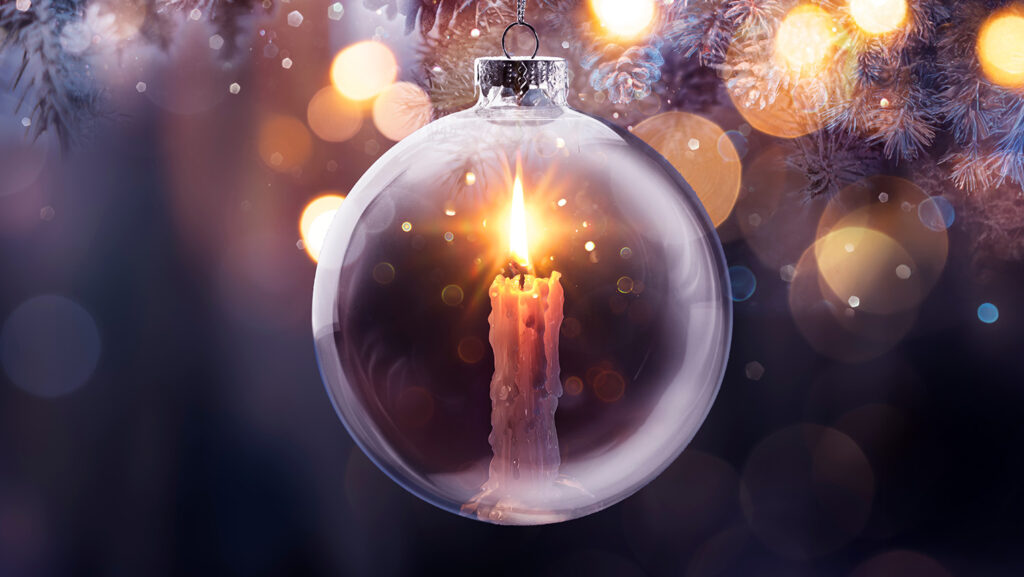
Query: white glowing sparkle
x=295 y=18
x=335 y=11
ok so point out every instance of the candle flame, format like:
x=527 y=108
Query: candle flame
x=518 y=246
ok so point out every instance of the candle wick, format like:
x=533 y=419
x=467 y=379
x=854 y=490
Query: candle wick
x=513 y=269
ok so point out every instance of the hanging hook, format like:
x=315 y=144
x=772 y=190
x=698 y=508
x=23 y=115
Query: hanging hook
x=520 y=21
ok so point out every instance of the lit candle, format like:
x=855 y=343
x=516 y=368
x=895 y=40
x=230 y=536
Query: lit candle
x=526 y=314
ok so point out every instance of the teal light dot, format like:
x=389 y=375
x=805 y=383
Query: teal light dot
x=988 y=313
x=743 y=282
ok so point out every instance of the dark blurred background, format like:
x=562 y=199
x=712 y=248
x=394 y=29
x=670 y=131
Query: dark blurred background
x=161 y=411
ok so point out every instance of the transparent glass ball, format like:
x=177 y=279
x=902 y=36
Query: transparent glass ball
x=407 y=282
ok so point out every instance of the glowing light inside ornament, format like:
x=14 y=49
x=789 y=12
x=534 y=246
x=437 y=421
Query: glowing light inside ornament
x=316 y=220
x=878 y=16
x=806 y=38
x=526 y=316
x=624 y=18
x=519 y=247
x=1001 y=48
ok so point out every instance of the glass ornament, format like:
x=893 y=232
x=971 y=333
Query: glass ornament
x=522 y=314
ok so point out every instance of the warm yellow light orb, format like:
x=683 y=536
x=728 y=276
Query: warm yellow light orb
x=859 y=266
x=806 y=39
x=878 y=16
x=702 y=153
x=364 y=70
x=316 y=220
x=333 y=117
x=1001 y=47
x=284 y=143
x=624 y=18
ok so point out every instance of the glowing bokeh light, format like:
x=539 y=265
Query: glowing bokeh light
x=899 y=562
x=1001 y=47
x=401 y=110
x=609 y=386
x=860 y=267
x=49 y=346
x=315 y=222
x=696 y=148
x=364 y=70
x=892 y=206
x=834 y=329
x=452 y=295
x=743 y=283
x=471 y=350
x=878 y=16
x=384 y=272
x=284 y=143
x=624 y=18
x=819 y=471
x=988 y=313
x=332 y=117
x=776 y=219
x=937 y=213
x=806 y=39
x=792 y=108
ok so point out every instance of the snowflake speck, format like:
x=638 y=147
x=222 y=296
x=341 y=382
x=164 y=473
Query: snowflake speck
x=295 y=18
x=335 y=11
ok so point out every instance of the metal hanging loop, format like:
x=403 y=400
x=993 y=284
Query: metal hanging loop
x=536 y=39
x=520 y=21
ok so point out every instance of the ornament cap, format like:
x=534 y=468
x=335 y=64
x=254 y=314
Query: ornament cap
x=539 y=81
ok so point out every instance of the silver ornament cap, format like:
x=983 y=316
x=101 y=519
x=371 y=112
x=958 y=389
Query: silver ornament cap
x=527 y=81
